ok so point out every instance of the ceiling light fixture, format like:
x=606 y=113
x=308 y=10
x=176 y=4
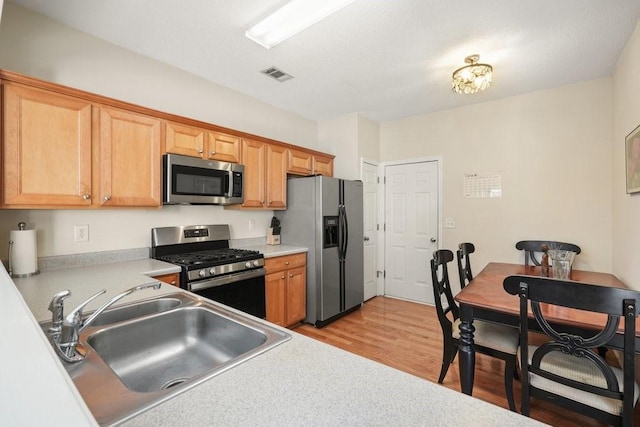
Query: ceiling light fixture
x=292 y=18
x=472 y=78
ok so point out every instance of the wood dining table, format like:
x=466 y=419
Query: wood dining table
x=485 y=298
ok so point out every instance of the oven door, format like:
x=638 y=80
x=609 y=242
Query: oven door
x=244 y=291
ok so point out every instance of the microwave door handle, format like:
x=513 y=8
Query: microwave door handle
x=226 y=184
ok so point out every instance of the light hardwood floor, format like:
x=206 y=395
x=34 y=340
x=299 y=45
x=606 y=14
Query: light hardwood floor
x=407 y=336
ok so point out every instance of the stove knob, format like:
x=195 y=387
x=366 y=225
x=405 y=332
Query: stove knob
x=247 y=264
x=202 y=273
x=256 y=263
x=212 y=271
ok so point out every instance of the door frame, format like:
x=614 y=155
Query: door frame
x=383 y=204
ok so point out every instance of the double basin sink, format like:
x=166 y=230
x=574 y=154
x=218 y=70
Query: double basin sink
x=142 y=354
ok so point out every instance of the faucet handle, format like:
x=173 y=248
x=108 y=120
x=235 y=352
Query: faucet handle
x=76 y=314
x=56 y=307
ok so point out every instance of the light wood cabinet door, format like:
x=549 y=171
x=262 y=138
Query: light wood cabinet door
x=323 y=165
x=275 y=287
x=171 y=279
x=185 y=140
x=276 y=183
x=296 y=295
x=129 y=159
x=254 y=161
x=47 y=148
x=223 y=147
x=300 y=163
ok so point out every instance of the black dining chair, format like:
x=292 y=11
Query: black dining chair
x=566 y=370
x=464 y=266
x=531 y=247
x=491 y=339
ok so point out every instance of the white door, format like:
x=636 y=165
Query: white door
x=411 y=236
x=369 y=176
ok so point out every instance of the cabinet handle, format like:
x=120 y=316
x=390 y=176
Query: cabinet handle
x=286 y=263
x=173 y=282
x=262 y=202
x=282 y=277
x=86 y=196
x=200 y=151
x=290 y=275
x=213 y=153
x=107 y=198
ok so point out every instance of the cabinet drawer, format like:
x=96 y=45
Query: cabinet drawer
x=285 y=262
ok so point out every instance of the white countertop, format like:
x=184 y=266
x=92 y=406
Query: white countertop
x=270 y=251
x=300 y=382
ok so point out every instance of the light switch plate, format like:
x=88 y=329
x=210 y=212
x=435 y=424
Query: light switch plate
x=449 y=223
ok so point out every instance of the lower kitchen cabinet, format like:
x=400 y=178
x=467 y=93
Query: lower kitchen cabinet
x=171 y=279
x=286 y=289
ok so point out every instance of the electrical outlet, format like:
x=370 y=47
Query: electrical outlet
x=81 y=233
x=252 y=224
x=449 y=223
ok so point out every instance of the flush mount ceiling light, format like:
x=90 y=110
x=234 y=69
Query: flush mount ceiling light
x=292 y=18
x=472 y=78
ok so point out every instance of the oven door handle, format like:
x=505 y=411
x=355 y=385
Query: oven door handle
x=227 y=278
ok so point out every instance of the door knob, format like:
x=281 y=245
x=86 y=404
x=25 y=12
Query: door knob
x=366 y=238
x=433 y=240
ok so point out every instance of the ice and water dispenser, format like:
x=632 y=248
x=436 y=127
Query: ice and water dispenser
x=330 y=226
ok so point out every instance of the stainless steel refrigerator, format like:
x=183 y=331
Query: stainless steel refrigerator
x=324 y=214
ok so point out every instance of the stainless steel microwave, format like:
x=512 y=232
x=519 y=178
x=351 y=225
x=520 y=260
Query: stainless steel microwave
x=190 y=180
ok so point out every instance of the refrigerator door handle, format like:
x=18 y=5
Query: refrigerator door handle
x=346 y=233
x=340 y=232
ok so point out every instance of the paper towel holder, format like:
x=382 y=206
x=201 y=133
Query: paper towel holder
x=21 y=227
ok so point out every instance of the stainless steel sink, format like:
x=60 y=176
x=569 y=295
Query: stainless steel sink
x=143 y=354
x=178 y=346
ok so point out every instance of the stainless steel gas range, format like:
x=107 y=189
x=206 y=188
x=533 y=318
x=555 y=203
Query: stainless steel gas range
x=234 y=277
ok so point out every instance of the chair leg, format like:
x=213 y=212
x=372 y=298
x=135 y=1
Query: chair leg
x=509 y=374
x=448 y=354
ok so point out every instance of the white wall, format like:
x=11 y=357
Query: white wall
x=626 y=208
x=37 y=46
x=339 y=136
x=349 y=137
x=553 y=150
x=368 y=139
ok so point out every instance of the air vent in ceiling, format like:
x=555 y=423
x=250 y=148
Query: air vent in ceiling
x=277 y=74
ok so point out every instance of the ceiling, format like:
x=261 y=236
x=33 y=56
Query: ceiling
x=385 y=59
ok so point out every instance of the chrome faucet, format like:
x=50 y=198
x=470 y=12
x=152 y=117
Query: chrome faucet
x=65 y=331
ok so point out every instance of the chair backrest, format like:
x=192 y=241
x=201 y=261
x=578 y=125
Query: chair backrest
x=441 y=286
x=542 y=294
x=464 y=266
x=532 y=246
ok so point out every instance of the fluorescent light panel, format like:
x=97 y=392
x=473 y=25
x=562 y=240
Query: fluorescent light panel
x=292 y=18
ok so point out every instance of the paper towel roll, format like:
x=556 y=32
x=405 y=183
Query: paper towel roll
x=23 y=253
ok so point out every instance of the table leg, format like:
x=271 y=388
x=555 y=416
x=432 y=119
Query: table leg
x=466 y=352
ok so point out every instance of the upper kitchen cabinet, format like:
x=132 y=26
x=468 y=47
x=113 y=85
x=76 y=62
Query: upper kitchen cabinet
x=199 y=142
x=47 y=140
x=63 y=149
x=265 y=175
x=306 y=163
x=300 y=163
x=69 y=149
x=323 y=165
x=129 y=159
x=223 y=147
